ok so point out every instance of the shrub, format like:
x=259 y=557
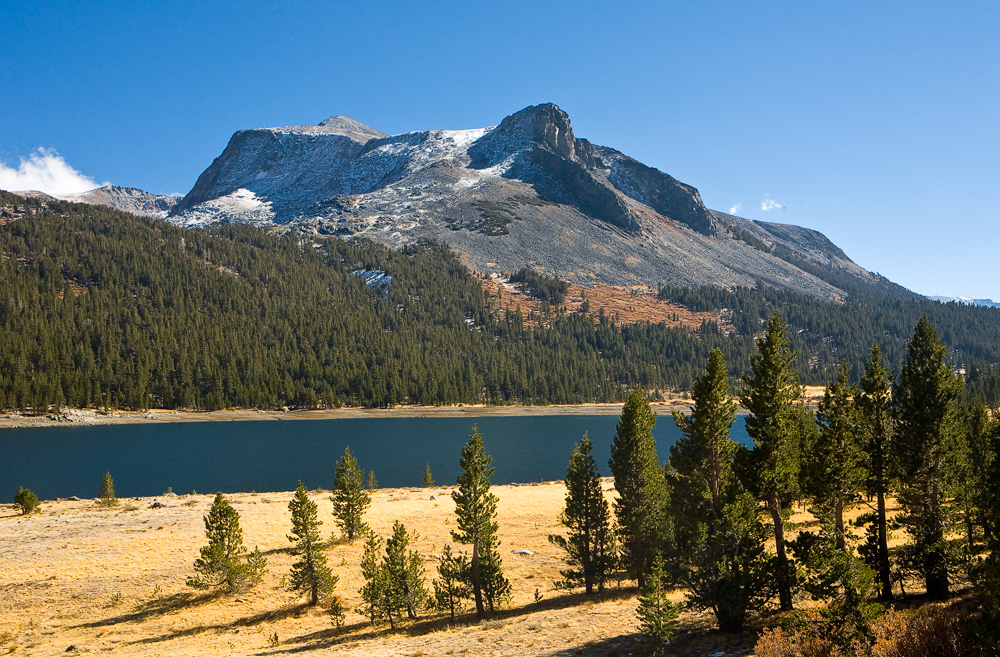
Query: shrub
x=776 y=642
x=26 y=500
x=933 y=631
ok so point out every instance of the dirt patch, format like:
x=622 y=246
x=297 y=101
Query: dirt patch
x=623 y=305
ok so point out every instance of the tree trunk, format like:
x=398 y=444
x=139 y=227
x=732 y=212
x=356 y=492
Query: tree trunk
x=838 y=522
x=784 y=585
x=884 y=573
x=474 y=575
x=936 y=561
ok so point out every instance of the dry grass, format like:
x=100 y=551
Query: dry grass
x=113 y=580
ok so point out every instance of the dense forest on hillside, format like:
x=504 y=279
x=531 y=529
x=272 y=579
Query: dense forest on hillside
x=103 y=308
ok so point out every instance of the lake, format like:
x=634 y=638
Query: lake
x=268 y=456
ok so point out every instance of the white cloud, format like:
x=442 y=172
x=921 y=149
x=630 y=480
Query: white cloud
x=770 y=204
x=736 y=208
x=46 y=171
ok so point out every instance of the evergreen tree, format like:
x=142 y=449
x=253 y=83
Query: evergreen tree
x=224 y=561
x=986 y=573
x=452 y=588
x=590 y=545
x=310 y=573
x=720 y=539
x=973 y=463
x=657 y=614
x=404 y=571
x=373 y=592
x=476 y=510
x=428 y=477
x=834 y=473
x=26 y=501
x=922 y=447
x=702 y=460
x=769 y=394
x=874 y=402
x=107 y=495
x=350 y=499
x=641 y=507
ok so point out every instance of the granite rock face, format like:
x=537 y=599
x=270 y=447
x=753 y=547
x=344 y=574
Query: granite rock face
x=526 y=192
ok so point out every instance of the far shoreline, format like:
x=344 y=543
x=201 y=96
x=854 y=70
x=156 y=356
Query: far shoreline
x=91 y=417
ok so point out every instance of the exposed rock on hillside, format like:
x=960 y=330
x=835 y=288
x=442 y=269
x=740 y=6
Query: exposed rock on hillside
x=526 y=192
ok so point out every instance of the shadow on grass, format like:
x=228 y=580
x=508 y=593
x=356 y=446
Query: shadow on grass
x=246 y=621
x=356 y=632
x=156 y=608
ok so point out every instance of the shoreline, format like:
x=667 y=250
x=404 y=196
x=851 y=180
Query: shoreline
x=90 y=417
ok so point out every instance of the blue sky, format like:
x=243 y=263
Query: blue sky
x=875 y=123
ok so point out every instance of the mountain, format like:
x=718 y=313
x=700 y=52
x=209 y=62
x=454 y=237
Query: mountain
x=967 y=301
x=524 y=193
x=126 y=199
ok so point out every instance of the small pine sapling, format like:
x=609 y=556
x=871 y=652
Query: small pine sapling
x=657 y=614
x=224 y=561
x=428 y=477
x=350 y=499
x=452 y=588
x=310 y=574
x=107 y=497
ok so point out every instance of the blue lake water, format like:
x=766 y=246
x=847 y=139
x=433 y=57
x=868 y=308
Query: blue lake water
x=275 y=455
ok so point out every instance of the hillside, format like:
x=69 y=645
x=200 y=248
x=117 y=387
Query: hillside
x=103 y=308
x=524 y=193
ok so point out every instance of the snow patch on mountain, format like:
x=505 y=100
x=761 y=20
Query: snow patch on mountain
x=241 y=206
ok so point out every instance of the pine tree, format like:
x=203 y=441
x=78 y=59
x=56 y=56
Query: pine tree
x=834 y=473
x=722 y=559
x=26 y=501
x=973 y=462
x=350 y=499
x=373 y=592
x=922 y=447
x=657 y=614
x=476 y=510
x=702 y=460
x=641 y=507
x=404 y=571
x=310 y=573
x=769 y=394
x=874 y=402
x=428 y=477
x=590 y=545
x=107 y=495
x=224 y=561
x=452 y=588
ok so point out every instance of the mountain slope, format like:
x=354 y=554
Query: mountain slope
x=526 y=192
x=126 y=199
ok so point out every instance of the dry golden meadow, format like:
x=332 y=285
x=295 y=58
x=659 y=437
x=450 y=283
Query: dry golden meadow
x=79 y=578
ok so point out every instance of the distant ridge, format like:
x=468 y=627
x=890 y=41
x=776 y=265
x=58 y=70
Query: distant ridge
x=985 y=303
